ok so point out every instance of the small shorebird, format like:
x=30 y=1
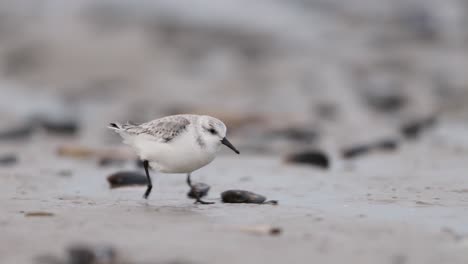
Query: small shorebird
x=175 y=144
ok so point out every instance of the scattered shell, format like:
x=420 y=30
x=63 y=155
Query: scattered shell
x=262 y=230
x=38 y=214
x=240 y=196
x=127 y=178
x=198 y=190
x=312 y=157
x=84 y=254
x=75 y=152
x=82 y=152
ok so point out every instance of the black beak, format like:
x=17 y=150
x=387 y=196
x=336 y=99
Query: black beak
x=229 y=145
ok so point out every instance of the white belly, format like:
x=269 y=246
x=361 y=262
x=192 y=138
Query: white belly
x=182 y=155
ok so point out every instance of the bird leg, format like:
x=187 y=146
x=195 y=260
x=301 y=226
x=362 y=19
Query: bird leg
x=150 y=185
x=197 y=194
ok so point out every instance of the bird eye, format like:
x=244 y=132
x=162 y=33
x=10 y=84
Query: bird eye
x=212 y=131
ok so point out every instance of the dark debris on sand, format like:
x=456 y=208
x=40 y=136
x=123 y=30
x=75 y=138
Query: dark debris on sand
x=413 y=129
x=356 y=151
x=315 y=158
x=8 y=159
x=241 y=196
x=198 y=190
x=127 y=178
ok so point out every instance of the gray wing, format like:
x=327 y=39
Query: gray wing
x=163 y=130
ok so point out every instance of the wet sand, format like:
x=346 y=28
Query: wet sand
x=410 y=207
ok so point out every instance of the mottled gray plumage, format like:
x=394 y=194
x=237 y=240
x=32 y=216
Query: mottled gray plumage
x=163 y=130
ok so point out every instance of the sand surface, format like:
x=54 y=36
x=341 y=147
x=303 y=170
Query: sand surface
x=284 y=76
x=383 y=208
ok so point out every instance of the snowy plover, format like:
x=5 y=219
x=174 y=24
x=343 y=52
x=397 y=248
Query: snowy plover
x=175 y=144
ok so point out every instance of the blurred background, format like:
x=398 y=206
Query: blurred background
x=335 y=70
x=335 y=78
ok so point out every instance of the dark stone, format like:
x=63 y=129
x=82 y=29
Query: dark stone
x=8 y=160
x=198 y=190
x=327 y=111
x=18 y=133
x=110 y=161
x=413 y=129
x=62 y=127
x=296 y=134
x=386 y=144
x=240 y=196
x=127 y=178
x=313 y=157
x=356 y=151
x=387 y=103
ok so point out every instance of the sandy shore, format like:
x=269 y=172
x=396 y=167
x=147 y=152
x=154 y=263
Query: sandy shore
x=383 y=208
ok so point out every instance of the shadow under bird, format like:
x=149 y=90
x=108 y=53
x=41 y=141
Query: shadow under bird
x=175 y=144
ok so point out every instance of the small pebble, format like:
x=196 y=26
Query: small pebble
x=127 y=178
x=413 y=129
x=17 y=133
x=198 y=190
x=296 y=134
x=314 y=158
x=8 y=160
x=240 y=196
x=59 y=127
x=84 y=254
x=387 y=145
x=65 y=173
x=262 y=230
x=110 y=161
x=356 y=151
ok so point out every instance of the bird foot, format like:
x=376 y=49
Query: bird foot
x=199 y=201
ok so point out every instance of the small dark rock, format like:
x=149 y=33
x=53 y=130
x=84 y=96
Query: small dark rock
x=198 y=190
x=356 y=151
x=386 y=145
x=327 y=111
x=295 y=134
x=313 y=157
x=65 y=173
x=386 y=103
x=413 y=129
x=83 y=254
x=240 y=196
x=18 y=133
x=110 y=161
x=60 y=127
x=127 y=178
x=8 y=160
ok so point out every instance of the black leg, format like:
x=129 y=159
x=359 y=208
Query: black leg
x=189 y=182
x=197 y=198
x=150 y=185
